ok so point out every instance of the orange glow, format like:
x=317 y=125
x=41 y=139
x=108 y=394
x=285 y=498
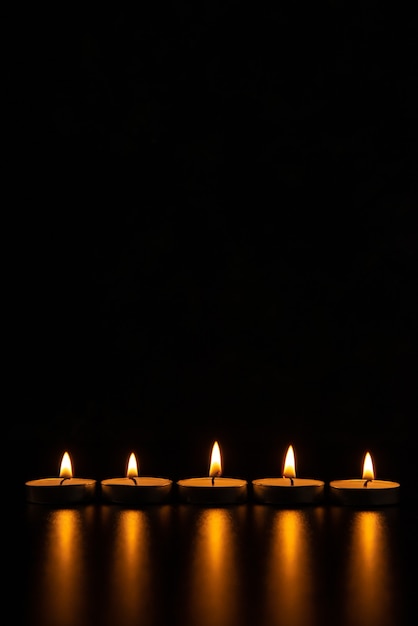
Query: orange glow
x=370 y=558
x=132 y=466
x=66 y=470
x=61 y=590
x=215 y=580
x=368 y=471
x=215 y=461
x=289 y=464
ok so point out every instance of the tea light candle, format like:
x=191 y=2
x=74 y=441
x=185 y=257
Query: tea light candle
x=288 y=489
x=365 y=491
x=63 y=489
x=213 y=489
x=135 y=489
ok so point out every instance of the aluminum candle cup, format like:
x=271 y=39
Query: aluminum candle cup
x=144 y=489
x=288 y=490
x=365 y=491
x=61 y=490
x=134 y=489
x=359 y=493
x=283 y=491
x=213 y=489
x=220 y=491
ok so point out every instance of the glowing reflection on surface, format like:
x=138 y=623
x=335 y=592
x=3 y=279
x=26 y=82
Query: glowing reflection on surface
x=369 y=597
x=61 y=593
x=129 y=569
x=289 y=579
x=214 y=577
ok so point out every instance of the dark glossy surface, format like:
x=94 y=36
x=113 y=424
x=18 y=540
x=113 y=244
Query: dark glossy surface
x=248 y=564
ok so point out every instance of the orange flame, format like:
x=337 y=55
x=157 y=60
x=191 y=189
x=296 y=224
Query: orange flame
x=289 y=464
x=368 y=470
x=132 y=466
x=215 y=462
x=66 y=470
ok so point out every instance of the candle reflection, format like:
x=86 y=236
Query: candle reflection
x=129 y=569
x=61 y=593
x=214 y=577
x=289 y=578
x=370 y=575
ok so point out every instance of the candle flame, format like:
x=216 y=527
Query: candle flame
x=289 y=464
x=132 y=466
x=215 y=461
x=368 y=470
x=66 y=470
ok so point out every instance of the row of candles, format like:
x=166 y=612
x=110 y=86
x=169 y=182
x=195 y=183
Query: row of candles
x=215 y=488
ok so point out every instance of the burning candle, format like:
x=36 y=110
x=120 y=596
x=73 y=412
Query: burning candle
x=63 y=489
x=288 y=489
x=365 y=491
x=135 y=489
x=213 y=489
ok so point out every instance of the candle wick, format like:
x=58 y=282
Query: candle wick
x=133 y=479
x=214 y=476
x=65 y=478
x=369 y=480
x=290 y=478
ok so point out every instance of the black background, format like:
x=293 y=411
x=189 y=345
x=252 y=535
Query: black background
x=210 y=233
